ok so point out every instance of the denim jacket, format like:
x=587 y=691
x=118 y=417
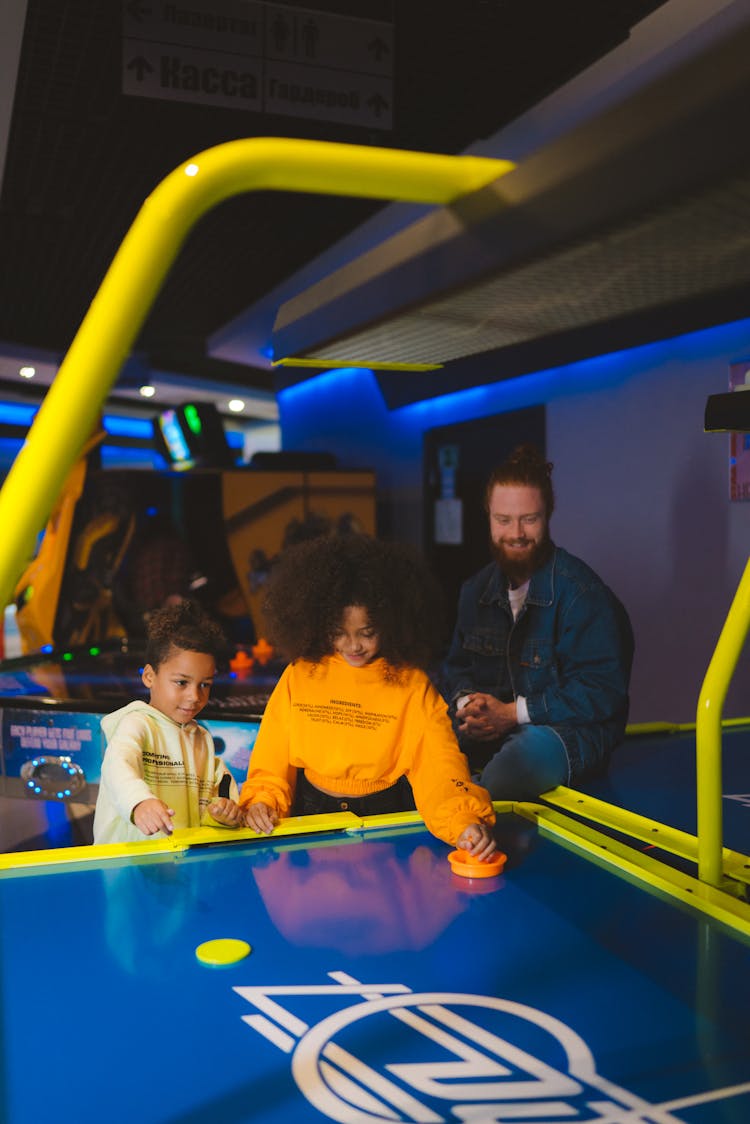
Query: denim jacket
x=568 y=653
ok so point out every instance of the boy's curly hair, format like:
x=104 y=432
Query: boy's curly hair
x=186 y=626
x=313 y=582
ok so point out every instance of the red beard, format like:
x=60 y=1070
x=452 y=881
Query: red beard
x=519 y=568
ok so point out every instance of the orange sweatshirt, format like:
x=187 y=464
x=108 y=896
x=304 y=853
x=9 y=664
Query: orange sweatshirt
x=356 y=730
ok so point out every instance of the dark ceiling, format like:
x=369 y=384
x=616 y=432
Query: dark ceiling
x=82 y=156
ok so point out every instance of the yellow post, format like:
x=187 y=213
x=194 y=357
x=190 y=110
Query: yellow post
x=104 y=339
x=708 y=732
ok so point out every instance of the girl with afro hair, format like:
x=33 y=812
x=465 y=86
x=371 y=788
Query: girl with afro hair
x=354 y=723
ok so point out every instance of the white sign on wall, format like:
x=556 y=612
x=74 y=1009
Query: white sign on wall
x=262 y=57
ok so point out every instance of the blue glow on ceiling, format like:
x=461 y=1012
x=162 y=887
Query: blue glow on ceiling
x=326 y=382
x=539 y=387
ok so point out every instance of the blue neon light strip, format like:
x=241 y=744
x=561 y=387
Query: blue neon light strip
x=129 y=427
x=12 y=413
x=140 y=428
x=115 y=456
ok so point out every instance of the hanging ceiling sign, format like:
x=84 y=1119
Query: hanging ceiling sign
x=265 y=58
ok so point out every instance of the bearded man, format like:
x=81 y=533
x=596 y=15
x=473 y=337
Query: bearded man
x=538 y=671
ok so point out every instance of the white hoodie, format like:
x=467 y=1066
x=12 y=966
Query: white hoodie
x=147 y=755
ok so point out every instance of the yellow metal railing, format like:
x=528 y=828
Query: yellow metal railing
x=639 y=867
x=72 y=406
x=708 y=733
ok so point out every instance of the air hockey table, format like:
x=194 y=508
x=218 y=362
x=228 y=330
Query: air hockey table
x=368 y=982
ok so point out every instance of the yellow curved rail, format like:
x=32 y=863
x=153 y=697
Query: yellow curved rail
x=71 y=407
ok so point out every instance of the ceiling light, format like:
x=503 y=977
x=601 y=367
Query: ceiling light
x=27 y=372
x=147 y=391
x=236 y=405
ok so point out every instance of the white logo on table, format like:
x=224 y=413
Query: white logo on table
x=450 y=1056
x=741 y=798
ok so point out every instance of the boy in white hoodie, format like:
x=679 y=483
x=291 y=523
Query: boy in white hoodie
x=160 y=769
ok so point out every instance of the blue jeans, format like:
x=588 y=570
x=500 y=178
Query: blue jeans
x=531 y=760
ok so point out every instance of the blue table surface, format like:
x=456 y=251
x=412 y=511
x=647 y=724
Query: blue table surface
x=380 y=986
